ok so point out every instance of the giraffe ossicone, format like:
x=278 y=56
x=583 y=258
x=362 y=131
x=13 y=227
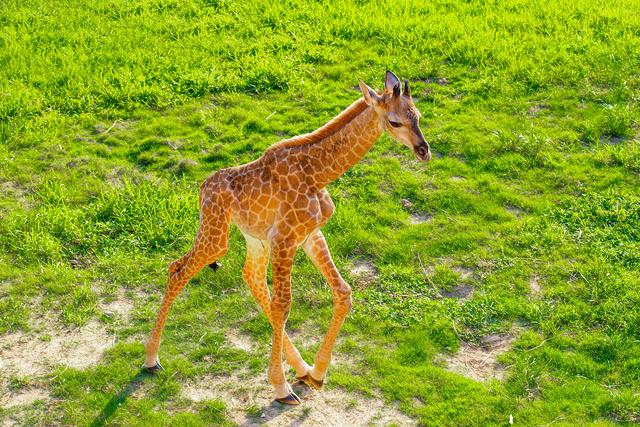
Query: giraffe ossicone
x=279 y=203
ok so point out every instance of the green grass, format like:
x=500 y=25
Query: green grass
x=112 y=113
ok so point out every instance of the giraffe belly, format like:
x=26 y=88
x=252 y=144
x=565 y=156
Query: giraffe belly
x=256 y=225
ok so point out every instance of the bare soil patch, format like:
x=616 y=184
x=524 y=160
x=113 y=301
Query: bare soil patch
x=30 y=355
x=16 y=192
x=515 y=211
x=464 y=272
x=249 y=399
x=121 y=306
x=534 y=110
x=611 y=140
x=479 y=362
x=534 y=286
x=308 y=335
x=22 y=397
x=239 y=340
x=419 y=218
x=462 y=292
x=364 y=271
x=416 y=217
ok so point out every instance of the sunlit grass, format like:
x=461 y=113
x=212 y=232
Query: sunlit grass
x=112 y=114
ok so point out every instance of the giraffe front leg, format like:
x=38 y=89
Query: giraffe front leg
x=254 y=274
x=318 y=251
x=283 y=253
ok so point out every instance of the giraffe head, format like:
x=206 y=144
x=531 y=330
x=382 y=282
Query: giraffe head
x=398 y=114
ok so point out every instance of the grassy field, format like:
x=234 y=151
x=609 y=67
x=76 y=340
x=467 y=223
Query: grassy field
x=524 y=229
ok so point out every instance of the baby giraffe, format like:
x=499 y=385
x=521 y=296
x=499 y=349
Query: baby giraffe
x=279 y=203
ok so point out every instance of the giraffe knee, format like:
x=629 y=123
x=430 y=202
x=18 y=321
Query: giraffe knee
x=343 y=297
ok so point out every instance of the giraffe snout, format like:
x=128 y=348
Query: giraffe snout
x=422 y=152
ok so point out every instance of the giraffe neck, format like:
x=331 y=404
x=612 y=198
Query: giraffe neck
x=336 y=153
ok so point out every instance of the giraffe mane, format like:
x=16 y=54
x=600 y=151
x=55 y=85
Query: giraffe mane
x=334 y=125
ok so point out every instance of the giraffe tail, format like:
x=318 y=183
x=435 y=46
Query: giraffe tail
x=175 y=266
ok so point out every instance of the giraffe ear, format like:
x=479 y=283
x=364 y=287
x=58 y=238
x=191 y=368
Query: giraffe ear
x=370 y=95
x=392 y=82
x=407 y=90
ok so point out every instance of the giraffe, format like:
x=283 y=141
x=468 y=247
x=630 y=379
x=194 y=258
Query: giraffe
x=279 y=202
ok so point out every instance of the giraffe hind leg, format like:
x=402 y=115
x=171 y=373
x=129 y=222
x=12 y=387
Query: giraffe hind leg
x=180 y=272
x=210 y=244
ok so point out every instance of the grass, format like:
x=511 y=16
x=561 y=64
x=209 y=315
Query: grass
x=112 y=113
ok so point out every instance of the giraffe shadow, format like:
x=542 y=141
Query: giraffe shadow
x=274 y=409
x=116 y=401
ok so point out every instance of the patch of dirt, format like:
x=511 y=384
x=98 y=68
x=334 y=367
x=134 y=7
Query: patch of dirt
x=184 y=165
x=419 y=218
x=416 y=217
x=120 y=307
x=364 y=271
x=23 y=397
x=16 y=192
x=457 y=178
x=515 y=211
x=406 y=203
x=461 y=292
x=442 y=81
x=479 y=362
x=122 y=304
x=307 y=336
x=249 y=399
x=115 y=177
x=238 y=340
x=611 y=140
x=535 y=109
x=464 y=272
x=28 y=355
x=534 y=286
x=464 y=291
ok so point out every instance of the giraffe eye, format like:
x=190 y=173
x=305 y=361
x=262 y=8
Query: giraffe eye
x=395 y=124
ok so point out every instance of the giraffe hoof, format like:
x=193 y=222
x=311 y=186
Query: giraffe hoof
x=153 y=369
x=215 y=266
x=291 y=399
x=310 y=381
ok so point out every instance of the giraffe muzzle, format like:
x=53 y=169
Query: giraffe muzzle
x=422 y=152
